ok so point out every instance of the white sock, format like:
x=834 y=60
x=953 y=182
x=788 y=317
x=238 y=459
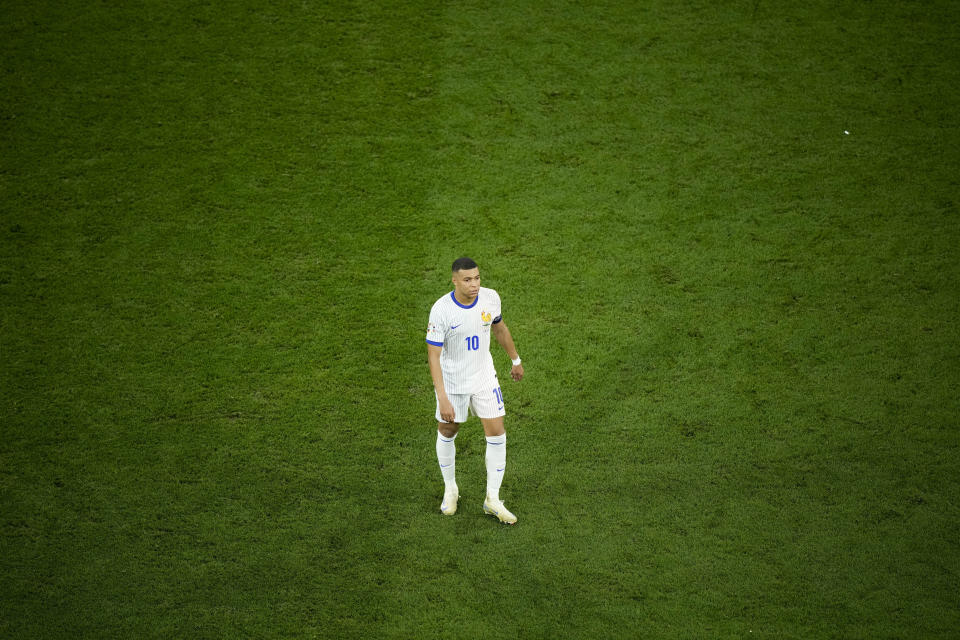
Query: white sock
x=447 y=457
x=496 y=463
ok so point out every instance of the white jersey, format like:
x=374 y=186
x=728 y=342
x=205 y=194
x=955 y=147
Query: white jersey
x=464 y=334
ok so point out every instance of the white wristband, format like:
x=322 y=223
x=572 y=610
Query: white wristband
x=516 y=362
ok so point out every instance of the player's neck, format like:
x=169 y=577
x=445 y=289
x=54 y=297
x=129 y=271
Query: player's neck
x=464 y=301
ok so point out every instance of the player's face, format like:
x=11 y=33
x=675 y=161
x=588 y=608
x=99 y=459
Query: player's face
x=467 y=283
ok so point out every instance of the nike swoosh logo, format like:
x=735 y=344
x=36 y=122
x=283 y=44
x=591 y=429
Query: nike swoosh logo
x=455 y=326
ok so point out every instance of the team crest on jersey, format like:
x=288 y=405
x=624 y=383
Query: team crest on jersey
x=486 y=317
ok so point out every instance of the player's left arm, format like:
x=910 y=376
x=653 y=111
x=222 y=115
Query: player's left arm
x=502 y=334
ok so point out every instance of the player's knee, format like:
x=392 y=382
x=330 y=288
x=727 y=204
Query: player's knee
x=493 y=427
x=448 y=429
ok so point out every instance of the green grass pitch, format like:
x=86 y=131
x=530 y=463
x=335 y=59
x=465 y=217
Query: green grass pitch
x=725 y=235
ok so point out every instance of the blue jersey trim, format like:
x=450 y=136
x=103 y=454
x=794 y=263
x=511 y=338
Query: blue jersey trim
x=464 y=306
x=436 y=344
x=497 y=319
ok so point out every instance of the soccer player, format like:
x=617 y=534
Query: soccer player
x=464 y=379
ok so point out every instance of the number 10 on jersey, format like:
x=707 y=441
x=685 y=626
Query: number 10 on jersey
x=473 y=343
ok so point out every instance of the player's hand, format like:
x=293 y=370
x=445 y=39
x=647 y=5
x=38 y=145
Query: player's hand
x=447 y=414
x=517 y=372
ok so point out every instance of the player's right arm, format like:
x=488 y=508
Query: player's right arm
x=436 y=372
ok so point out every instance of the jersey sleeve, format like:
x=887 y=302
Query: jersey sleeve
x=498 y=311
x=436 y=327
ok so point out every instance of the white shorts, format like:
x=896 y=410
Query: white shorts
x=485 y=404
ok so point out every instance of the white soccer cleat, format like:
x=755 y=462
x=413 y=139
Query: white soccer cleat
x=499 y=511
x=450 y=498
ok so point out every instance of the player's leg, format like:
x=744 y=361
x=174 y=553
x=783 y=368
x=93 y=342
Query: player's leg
x=489 y=408
x=493 y=427
x=447 y=458
x=447 y=454
x=496 y=455
x=448 y=429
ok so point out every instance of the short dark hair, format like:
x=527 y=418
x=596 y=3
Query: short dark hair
x=463 y=263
